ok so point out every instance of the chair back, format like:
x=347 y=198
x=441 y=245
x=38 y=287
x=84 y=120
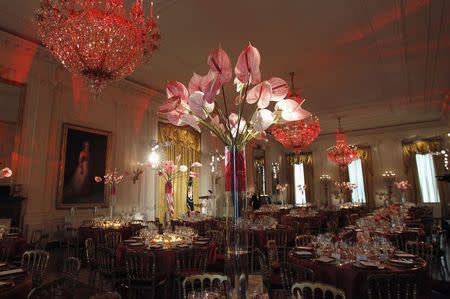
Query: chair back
x=272 y=255
x=105 y=259
x=278 y=235
x=263 y=265
x=36 y=262
x=140 y=266
x=308 y=289
x=4 y=251
x=303 y=240
x=35 y=236
x=42 y=243
x=402 y=238
x=291 y=274
x=113 y=239
x=72 y=269
x=218 y=237
x=192 y=258
x=90 y=251
x=295 y=226
x=206 y=281
x=400 y=286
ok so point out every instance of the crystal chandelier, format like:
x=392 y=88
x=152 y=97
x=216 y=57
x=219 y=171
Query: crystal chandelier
x=97 y=39
x=342 y=154
x=297 y=135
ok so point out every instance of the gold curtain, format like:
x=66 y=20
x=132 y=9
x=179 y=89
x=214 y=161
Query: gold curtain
x=365 y=154
x=187 y=143
x=425 y=146
x=307 y=160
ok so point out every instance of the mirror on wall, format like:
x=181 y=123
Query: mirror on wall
x=259 y=166
x=11 y=109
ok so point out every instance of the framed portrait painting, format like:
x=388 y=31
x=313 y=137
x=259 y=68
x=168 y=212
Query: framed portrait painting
x=85 y=154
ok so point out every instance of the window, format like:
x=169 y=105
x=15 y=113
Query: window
x=299 y=180
x=427 y=178
x=355 y=174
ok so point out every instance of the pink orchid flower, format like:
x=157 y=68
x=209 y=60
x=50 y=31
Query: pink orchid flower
x=220 y=63
x=177 y=89
x=199 y=106
x=261 y=93
x=291 y=110
x=193 y=174
x=212 y=89
x=262 y=119
x=6 y=173
x=199 y=83
x=190 y=120
x=98 y=179
x=247 y=66
x=233 y=120
x=196 y=164
x=280 y=88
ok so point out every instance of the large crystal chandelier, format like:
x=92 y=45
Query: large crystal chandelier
x=342 y=154
x=96 y=38
x=296 y=135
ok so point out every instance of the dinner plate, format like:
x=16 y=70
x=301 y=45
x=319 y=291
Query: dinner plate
x=405 y=255
x=403 y=262
x=130 y=241
x=200 y=242
x=203 y=239
x=368 y=265
x=3 y=264
x=182 y=245
x=136 y=244
x=303 y=253
x=11 y=272
x=308 y=248
x=325 y=259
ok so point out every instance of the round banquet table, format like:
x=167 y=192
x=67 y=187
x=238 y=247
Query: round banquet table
x=353 y=280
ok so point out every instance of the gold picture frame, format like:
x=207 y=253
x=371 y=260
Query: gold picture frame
x=85 y=154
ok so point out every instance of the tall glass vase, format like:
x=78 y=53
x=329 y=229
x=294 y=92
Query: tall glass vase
x=236 y=264
x=168 y=191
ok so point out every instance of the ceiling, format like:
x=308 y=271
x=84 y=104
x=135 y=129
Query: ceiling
x=374 y=62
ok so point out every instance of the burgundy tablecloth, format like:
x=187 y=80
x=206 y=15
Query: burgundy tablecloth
x=354 y=280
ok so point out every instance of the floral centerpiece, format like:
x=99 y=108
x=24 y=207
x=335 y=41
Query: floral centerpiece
x=112 y=179
x=235 y=122
x=402 y=186
x=343 y=189
x=169 y=170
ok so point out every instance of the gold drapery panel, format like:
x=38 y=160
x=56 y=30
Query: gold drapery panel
x=184 y=136
x=307 y=160
x=424 y=146
x=365 y=154
x=187 y=143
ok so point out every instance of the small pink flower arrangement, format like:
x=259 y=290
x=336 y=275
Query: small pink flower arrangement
x=170 y=169
x=402 y=185
x=112 y=179
x=6 y=173
x=282 y=187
